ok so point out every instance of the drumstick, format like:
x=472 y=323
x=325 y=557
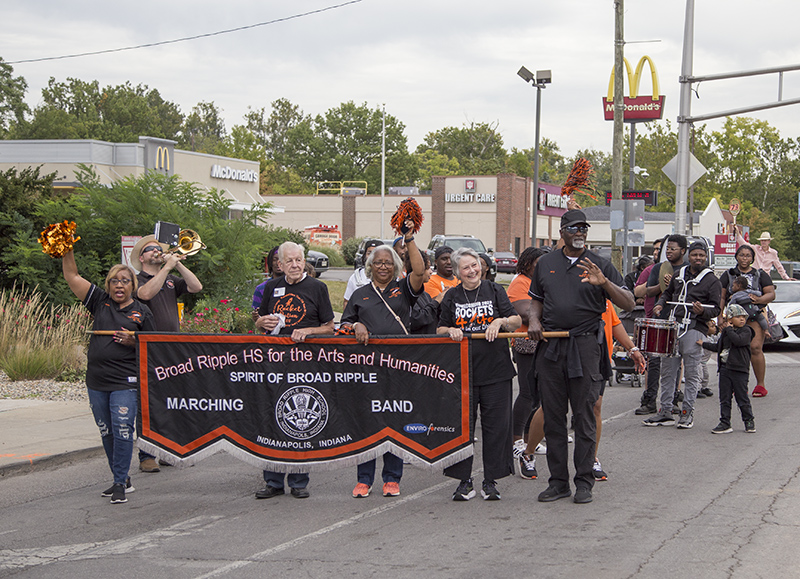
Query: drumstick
x=482 y=336
x=110 y=332
x=689 y=304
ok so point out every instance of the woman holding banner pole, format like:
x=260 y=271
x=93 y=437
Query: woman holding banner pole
x=483 y=307
x=384 y=307
x=111 y=370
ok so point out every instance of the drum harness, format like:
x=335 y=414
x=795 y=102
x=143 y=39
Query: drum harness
x=683 y=325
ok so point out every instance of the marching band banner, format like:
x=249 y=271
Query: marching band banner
x=325 y=403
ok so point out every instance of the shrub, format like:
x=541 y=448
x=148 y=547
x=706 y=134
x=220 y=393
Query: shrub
x=349 y=248
x=218 y=317
x=38 y=340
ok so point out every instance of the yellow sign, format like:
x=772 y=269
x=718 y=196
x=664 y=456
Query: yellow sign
x=636 y=108
x=162 y=158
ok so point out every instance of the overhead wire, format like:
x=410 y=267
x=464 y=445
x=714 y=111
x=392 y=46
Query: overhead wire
x=187 y=38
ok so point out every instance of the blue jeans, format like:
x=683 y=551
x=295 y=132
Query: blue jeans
x=392 y=470
x=295 y=480
x=115 y=416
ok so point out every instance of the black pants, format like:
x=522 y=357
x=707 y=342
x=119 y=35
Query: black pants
x=494 y=401
x=523 y=405
x=650 y=394
x=558 y=392
x=733 y=383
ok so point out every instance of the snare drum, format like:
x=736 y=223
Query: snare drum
x=656 y=337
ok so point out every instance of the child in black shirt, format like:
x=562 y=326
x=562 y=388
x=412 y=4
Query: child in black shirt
x=733 y=358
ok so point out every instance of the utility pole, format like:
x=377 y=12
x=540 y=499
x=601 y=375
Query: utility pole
x=383 y=170
x=619 y=117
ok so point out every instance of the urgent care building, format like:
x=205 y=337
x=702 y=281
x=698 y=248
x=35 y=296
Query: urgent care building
x=238 y=179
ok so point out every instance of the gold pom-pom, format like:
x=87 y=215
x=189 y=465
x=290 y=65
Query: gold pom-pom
x=57 y=239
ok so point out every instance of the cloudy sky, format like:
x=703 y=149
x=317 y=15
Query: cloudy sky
x=433 y=63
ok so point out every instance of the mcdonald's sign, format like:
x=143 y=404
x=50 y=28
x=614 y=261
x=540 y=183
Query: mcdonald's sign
x=637 y=108
x=162 y=159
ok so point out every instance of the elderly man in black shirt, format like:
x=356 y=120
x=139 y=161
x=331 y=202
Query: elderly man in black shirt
x=569 y=290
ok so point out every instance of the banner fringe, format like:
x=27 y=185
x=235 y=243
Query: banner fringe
x=297 y=467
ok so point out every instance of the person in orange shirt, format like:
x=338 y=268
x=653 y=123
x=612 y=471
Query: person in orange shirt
x=443 y=279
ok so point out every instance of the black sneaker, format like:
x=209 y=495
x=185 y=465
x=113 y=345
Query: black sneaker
x=268 y=492
x=722 y=428
x=707 y=391
x=110 y=490
x=300 y=493
x=489 y=491
x=686 y=419
x=660 y=419
x=598 y=472
x=552 y=493
x=750 y=425
x=118 y=494
x=464 y=492
x=701 y=394
x=645 y=409
x=583 y=495
x=527 y=467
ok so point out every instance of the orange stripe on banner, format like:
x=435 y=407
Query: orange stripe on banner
x=465 y=393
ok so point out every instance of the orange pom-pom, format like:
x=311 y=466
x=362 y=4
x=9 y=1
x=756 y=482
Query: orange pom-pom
x=408 y=209
x=579 y=179
x=57 y=239
x=345 y=330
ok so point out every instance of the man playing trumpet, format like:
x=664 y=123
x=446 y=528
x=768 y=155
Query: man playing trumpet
x=160 y=290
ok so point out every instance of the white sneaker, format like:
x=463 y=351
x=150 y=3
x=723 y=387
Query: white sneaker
x=519 y=448
x=541 y=448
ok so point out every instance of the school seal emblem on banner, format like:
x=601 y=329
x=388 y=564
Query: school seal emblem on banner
x=302 y=412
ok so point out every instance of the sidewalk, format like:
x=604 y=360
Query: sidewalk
x=37 y=434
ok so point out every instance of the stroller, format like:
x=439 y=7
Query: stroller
x=622 y=364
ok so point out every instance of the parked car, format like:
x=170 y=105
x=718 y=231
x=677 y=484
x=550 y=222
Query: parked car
x=359 y=258
x=786 y=308
x=792 y=270
x=319 y=260
x=506 y=261
x=457 y=241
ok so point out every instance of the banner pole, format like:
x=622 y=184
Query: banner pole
x=564 y=334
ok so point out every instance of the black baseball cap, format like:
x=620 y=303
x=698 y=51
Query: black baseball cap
x=574 y=217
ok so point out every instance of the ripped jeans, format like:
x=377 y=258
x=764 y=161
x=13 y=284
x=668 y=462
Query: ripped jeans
x=115 y=416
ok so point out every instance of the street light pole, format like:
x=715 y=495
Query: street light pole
x=383 y=170
x=542 y=78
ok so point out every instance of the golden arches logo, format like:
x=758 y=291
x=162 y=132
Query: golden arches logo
x=162 y=158
x=635 y=77
x=636 y=108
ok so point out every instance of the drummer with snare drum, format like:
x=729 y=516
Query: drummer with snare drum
x=691 y=299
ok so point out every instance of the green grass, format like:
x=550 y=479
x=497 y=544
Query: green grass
x=336 y=292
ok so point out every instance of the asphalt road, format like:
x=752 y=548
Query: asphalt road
x=677 y=503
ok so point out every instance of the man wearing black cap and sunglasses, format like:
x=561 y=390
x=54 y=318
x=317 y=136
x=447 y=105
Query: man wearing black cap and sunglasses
x=569 y=289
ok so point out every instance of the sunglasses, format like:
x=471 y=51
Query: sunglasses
x=149 y=249
x=573 y=229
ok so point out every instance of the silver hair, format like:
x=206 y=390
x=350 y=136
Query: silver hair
x=289 y=245
x=398 y=264
x=458 y=254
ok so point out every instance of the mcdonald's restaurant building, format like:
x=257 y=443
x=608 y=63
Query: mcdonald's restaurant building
x=236 y=178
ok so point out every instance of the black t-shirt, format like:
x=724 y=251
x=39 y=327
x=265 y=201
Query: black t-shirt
x=367 y=307
x=472 y=311
x=112 y=366
x=568 y=302
x=164 y=304
x=305 y=304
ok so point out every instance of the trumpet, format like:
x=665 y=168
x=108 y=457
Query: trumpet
x=189 y=243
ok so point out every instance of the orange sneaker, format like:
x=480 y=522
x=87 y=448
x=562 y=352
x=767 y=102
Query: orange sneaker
x=759 y=391
x=361 y=491
x=391 y=489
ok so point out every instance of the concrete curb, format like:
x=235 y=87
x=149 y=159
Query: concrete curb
x=48 y=462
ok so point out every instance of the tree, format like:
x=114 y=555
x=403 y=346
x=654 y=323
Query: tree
x=228 y=267
x=12 y=98
x=76 y=109
x=432 y=164
x=20 y=192
x=203 y=129
x=272 y=132
x=477 y=147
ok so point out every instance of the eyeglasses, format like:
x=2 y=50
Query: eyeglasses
x=149 y=249
x=383 y=264
x=115 y=281
x=573 y=229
